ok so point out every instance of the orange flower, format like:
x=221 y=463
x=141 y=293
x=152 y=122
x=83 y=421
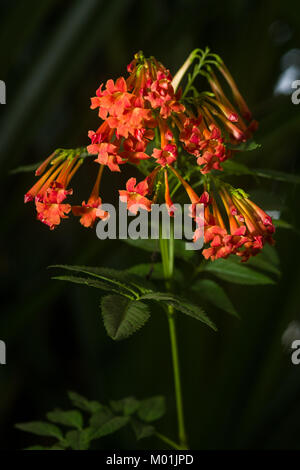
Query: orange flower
x=90 y=211
x=244 y=234
x=135 y=194
x=51 y=190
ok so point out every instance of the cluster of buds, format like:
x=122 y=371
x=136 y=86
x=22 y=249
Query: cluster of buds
x=146 y=118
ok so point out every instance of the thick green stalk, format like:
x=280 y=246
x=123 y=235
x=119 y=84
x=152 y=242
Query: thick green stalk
x=167 y=253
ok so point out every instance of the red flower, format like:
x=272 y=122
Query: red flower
x=161 y=95
x=165 y=156
x=135 y=194
x=90 y=211
x=206 y=144
x=133 y=119
x=113 y=100
x=134 y=149
x=249 y=228
x=108 y=154
x=51 y=190
x=49 y=205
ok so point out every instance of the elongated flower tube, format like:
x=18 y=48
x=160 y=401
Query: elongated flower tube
x=244 y=232
x=91 y=210
x=51 y=189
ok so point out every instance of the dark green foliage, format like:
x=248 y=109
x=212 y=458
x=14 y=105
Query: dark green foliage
x=96 y=422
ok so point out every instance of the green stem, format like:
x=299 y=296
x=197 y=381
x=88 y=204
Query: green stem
x=167 y=253
x=177 y=382
x=196 y=71
x=168 y=441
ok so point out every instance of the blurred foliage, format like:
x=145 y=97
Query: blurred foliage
x=240 y=387
x=102 y=420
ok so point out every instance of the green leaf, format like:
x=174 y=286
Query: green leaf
x=111 y=426
x=101 y=417
x=89 y=282
x=236 y=168
x=142 y=430
x=148 y=244
x=41 y=428
x=151 y=409
x=152 y=245
x=38 y=448
x=181 y=252
x=127 y=406
x=122 y=317
x=238 y=273
x=154 y=271
x=83 y=403
x=25 y=168
x=121 y=280
x=244 y=146
x=71 y=418
x=260 y=261
x=277 y=175
x=215 y=294
x=279 y=223
x=79 y=439
x=182 y=305
x=270 y=253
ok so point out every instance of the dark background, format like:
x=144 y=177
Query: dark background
x=240 y=388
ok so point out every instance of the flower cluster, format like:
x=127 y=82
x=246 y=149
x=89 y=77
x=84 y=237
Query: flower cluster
x=146 y=121
x=51 y=191
x=243 y=231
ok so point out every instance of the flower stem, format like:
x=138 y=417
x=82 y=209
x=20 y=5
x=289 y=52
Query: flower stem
x=167 y=253
x=168 y=441
x=177 y=382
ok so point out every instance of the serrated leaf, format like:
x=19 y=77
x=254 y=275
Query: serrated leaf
x=127 y=406
x=182 y=305
x=89 y=282
x=142 y=430
x=236 y=272
x=41 y=428
x=151 y=409
x=122 y=317
x=121 y=280
x=71 y=418
x=215 y=294
x=79 y=439
x=111 y=426
x=83 y=403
